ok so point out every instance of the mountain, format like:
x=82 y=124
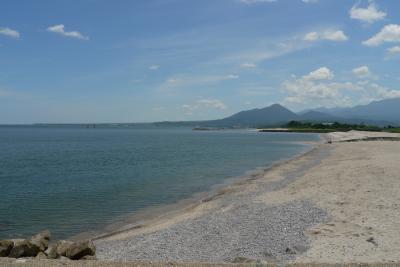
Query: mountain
x=383 y=111
x=313 y=115
x=272 y=115
x=380 y=113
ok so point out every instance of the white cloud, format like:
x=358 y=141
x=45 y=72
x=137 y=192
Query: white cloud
x=336 y=36
x=59 y=29
x=154 y=67
x=317 y=89
x=311 y=36
x=310 y=1
x=9 y=32
x=248 y=65
x=394 y=50
x=384 y=93
x=390 y=33
x=370 y=14
x=204 y=104
x=361 y=72
x=320 y=74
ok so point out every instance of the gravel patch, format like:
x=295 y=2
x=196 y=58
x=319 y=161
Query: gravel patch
x=241 y=229
x=256 y=232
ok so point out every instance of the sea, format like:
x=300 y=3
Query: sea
x=72 y=179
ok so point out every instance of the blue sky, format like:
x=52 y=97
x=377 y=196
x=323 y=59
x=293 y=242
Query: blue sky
x=152 y=60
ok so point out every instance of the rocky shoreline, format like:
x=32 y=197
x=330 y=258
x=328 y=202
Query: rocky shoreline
x=39 y=247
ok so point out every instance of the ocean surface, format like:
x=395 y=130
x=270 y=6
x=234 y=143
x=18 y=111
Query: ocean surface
x=74 y=179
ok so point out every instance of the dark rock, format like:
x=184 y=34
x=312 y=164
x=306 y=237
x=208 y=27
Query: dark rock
x=59 y=249
x=372 y=241
x=290 y=251
x=5 y=247
x=298 y=249
x=41 y=240
x=80 y=249
x=23 y=248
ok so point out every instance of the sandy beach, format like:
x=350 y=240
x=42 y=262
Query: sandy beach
x=338 y=203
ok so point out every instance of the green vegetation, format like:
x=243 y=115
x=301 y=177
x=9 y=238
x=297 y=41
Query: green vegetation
x=328 y=127
x=391 y=129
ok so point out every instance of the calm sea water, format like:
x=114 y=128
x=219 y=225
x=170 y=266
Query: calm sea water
x=73 y=179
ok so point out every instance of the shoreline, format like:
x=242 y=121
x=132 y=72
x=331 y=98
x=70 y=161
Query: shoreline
x=325 y=206
x=187 y=213
x=148 y=215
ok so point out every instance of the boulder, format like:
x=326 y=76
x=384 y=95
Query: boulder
x=41 y=240
x=41 y=255
x=5 y=247
x=59 y=249
x=23 y=248
x=81 y=249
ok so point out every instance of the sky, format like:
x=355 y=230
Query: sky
x=64 y=61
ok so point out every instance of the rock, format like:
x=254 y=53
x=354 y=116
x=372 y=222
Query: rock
x=80 y=249
x=290 y=251
x=23 y=248
x=63 y=258
x=59 y=249
x=41 y=240
x=41 y=255
x=5 y=247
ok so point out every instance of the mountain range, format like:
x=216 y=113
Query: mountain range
x=380 y=113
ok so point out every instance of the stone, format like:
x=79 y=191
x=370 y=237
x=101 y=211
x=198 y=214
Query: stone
x=41 y=239
x=5 y=247
x=59 y=249
x=41 y=255
x=372 y=240
x=23 y=248
x=80 y=249
x=289 y=250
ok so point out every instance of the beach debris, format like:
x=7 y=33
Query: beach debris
x=41 y=240
x=80 y=249
x=5 y=247
x=38 y=246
